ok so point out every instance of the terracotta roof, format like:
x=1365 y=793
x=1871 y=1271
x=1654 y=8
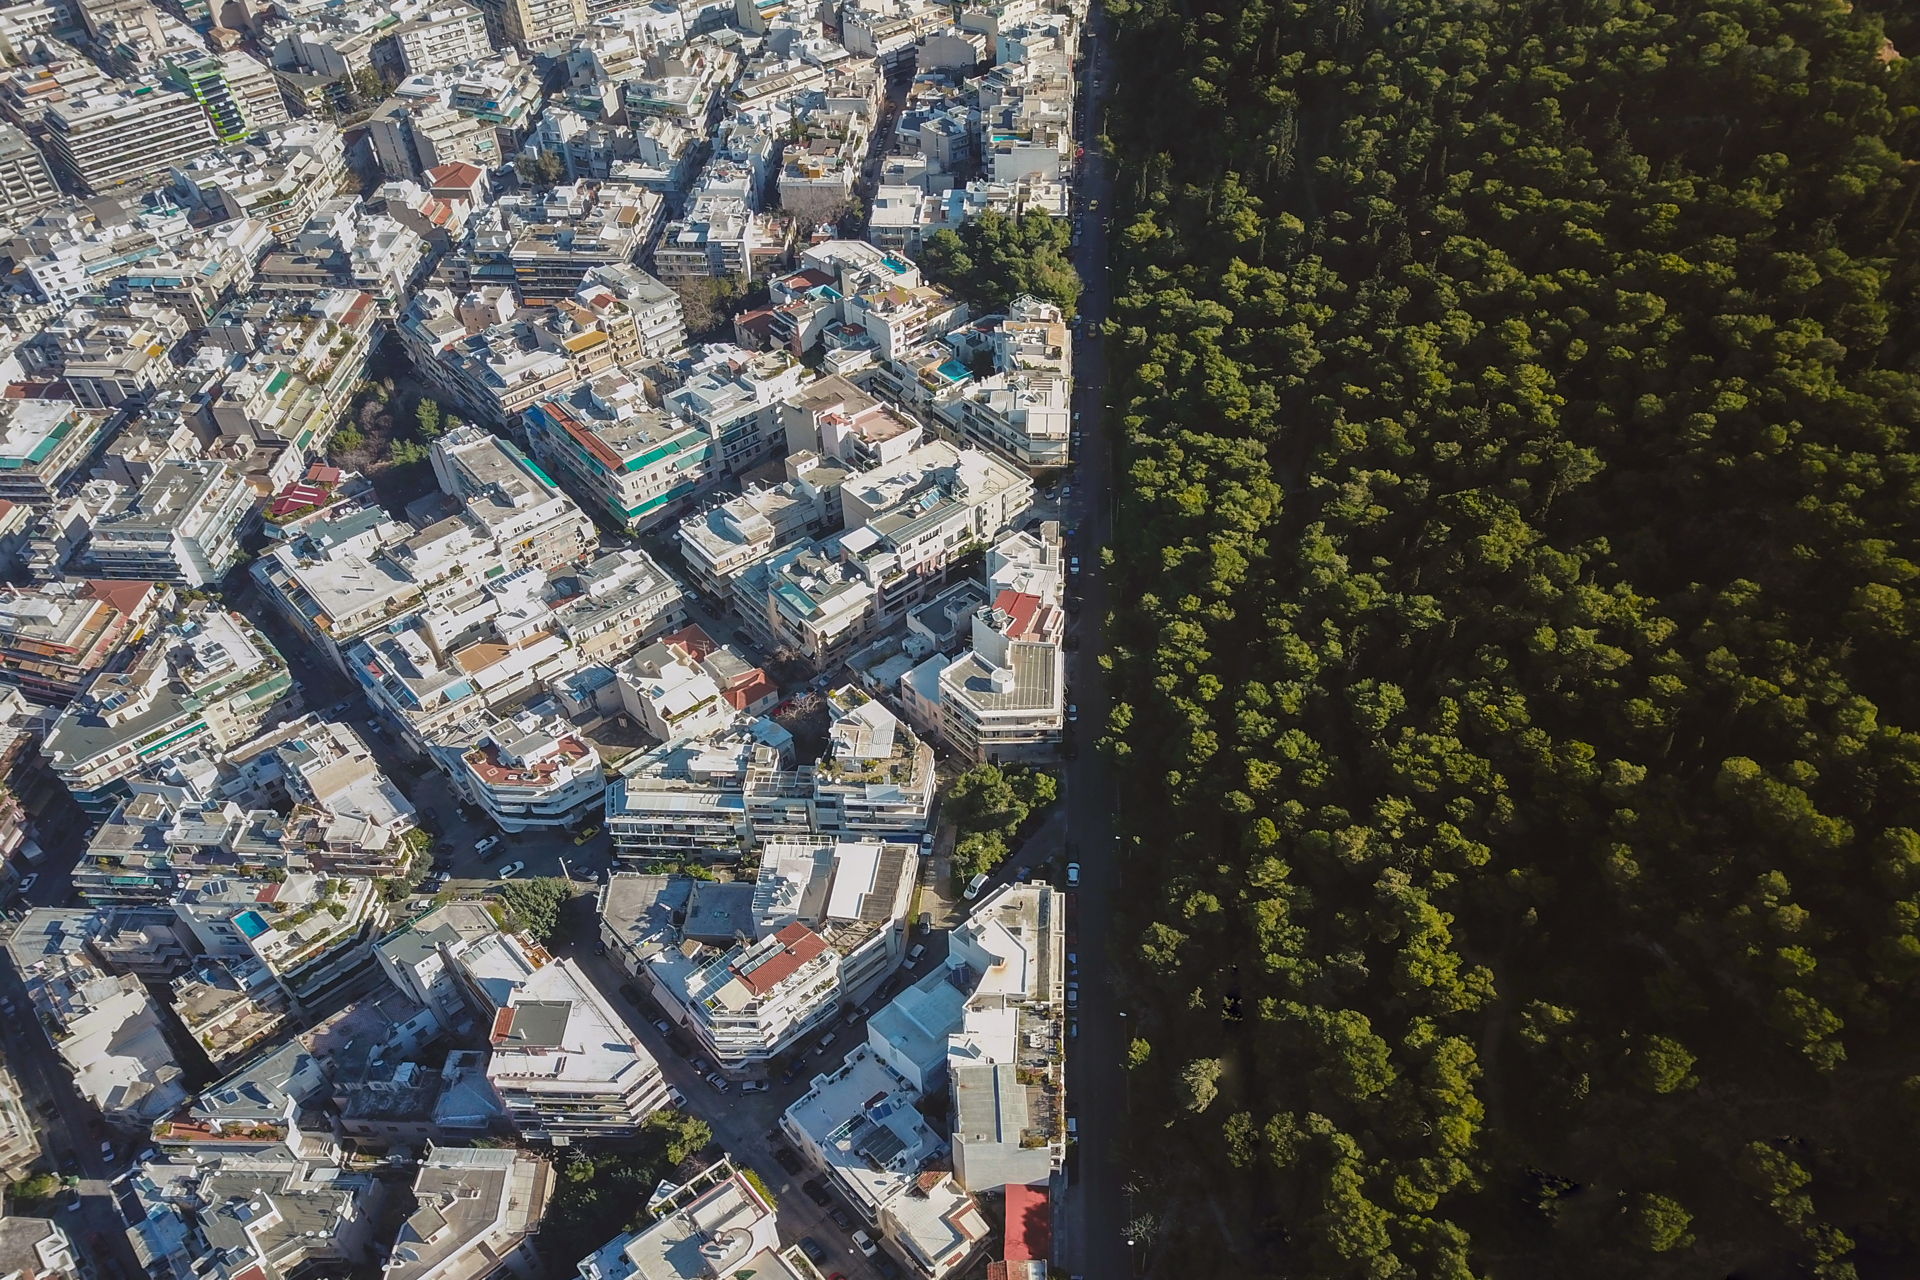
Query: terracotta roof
x=693 y=639
x=453 y=175
x=799 y=944
x=744 y=694
x=126 y=596
x=1029 y=1232
x=1021 y=608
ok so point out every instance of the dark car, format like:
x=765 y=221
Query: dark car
x=840 y=1218
x=887 y=1267
x=811 y=1247
x=630 y=992
x=812 y=1189
x=786 y=1160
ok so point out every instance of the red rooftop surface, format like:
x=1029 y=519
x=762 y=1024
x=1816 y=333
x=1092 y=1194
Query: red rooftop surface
x=1020 y=607
x=1029 y=1225
x=693 y=639
x=799 y=945
x=757 y=686
x=453 y=175
x=486 y=762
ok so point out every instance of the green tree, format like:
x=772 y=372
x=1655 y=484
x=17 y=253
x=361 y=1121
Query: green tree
x=536 y=904
x=427 y=412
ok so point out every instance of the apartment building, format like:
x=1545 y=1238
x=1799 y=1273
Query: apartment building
x=183 y=527
x=751 y=971
x=230 y=1008
x=19 y=1132
x=280 y=178
x=702 y=794
x=528 y=24
x=355 y=569
x=735 y=397
x=421 y=959
x=652 y=312
x=836 y=419
x=805 y=599
x=236 y=90
x=562 y=1059
x=44 y=446
x=111 y=355
x=859 y=1126
x=526 y=773
x=718 y=544
x=313 y=933
x=442 y=38
x=111 y=138
x=715 y=1226
x=477 y=1212
x=211 y=678
x=221 y=1211
x=614 y=605
x=1003 y=700
x=26 y=183
x=106 y=1028
x=624 y=458
x=55 y=639
x=511 y=500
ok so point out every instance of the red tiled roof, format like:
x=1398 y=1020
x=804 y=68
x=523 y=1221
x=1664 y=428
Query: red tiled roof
x=1029 y=1232
x=800 y=944
x=126 y=596
x=453 y=175
x=1019 y=606
x=502 y=1023
x=757 y=685
x=268 y=893
x=321 y=473
x=693 y=639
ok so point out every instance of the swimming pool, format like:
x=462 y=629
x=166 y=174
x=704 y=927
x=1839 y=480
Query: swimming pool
x=250 y=923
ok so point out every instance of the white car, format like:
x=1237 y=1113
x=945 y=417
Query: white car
x=485 y=843
x=1076 y=415
x=864 y=1243
x=754 y=1086
x=1073 y=713
x=512 y=869
x=1073 y=565
x=677 y=1098
x=1073 y=875
x=27 y=882
x=106 y=1150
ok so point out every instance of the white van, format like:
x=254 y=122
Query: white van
x=974 y=886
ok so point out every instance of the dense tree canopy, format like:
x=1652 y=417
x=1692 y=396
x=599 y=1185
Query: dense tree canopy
x=993 y=259
x=1518 y=404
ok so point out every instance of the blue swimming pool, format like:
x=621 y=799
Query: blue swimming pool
x=250 y=923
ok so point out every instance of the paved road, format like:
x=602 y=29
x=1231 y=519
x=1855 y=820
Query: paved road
x=71 y=1132
x=743 y=1122
x=1094 y=1244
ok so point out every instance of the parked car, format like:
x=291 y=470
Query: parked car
x=826 y=1042
x=811 y=1247
x=106 y=1149
x=754 y=1086
x=787 y=1160
x=812 y=1189
x=1073 y=995
x=677 y=1098
x=1073 y=875
x=28 y=881
x=512 y=869
x=1073 y=566
x=864 y=1243
x=718 y=1081
x=974 y=886
x=486 y=844
x=841 y=1218
x=918 y=949
x=664 y=1027
x=887 y=1267
x=1073 y=713
x=926 y=843
x=631 y=993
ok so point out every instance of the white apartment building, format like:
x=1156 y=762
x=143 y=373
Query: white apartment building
x=478 y=1210
x=43 y=445
x=105 y=1028
x=658 y=321
x=444 y=37
x=715 y=1227
x=563 y=1061
x=724 y=540
x=527 y=774
x=183 y=527
x=1004 y=700
x=110 y=139
x=211 y=679
x=26 y=183
x=528 y=516
x=735 y=397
